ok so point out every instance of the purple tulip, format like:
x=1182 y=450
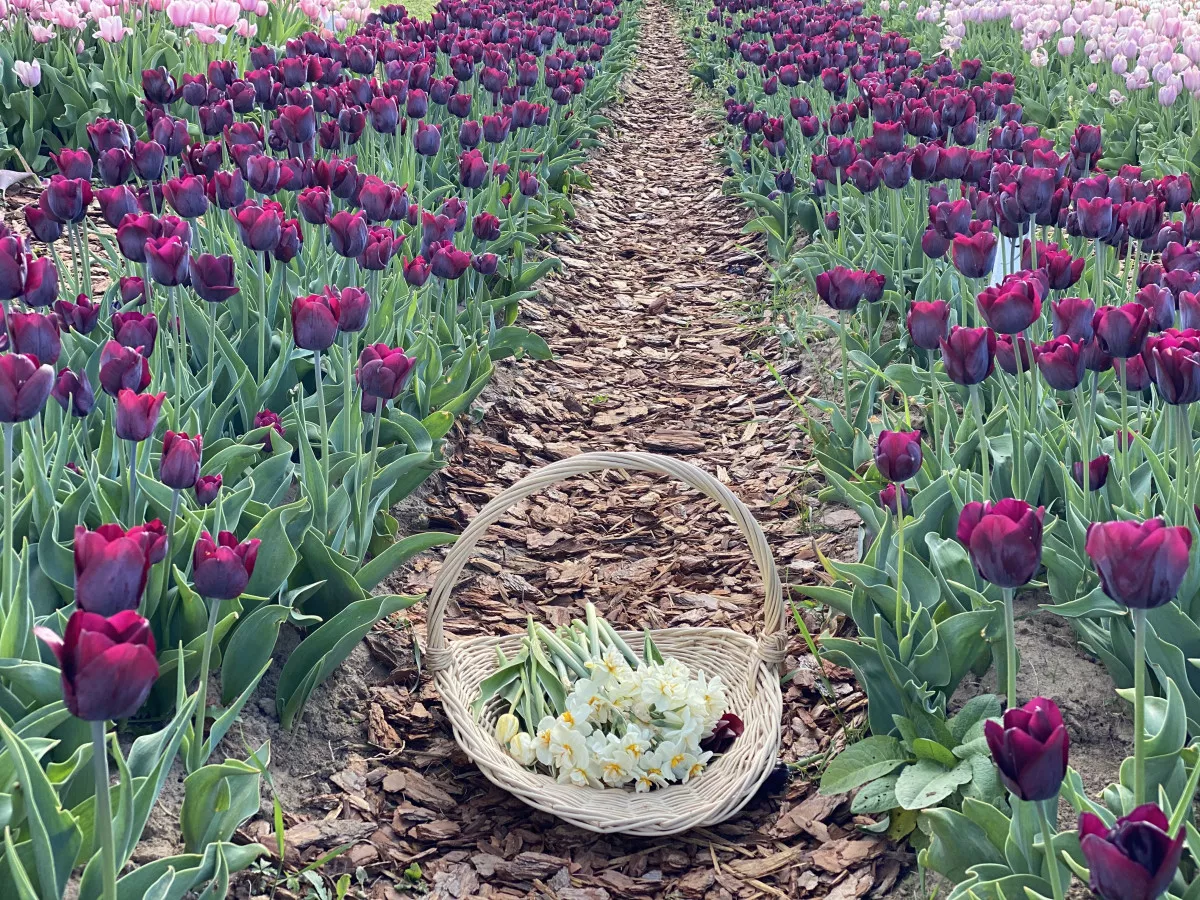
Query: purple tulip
x=1004 y=540
x=969 y=354
x=315 y=321
x=1140 y=564
x=137 y=414
x=35 y=334
x=1135 y=859
x=221 y=569
x=1060 y=361
x=383 y=371
x=1097 y=472
x=25 y=384
x=74 y=393
x=111 y=568
x=1030 y=749
x=179 y=464
x=898 y=454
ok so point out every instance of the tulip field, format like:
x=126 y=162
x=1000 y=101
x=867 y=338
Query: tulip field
x=274 y=276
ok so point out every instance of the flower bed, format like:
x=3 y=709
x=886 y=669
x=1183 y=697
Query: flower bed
x=307 y=271
x=1011 y=266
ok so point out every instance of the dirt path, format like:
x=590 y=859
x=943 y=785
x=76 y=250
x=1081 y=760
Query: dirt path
x=649 y=355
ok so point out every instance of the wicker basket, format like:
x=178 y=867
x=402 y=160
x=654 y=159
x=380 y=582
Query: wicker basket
x=748 y=666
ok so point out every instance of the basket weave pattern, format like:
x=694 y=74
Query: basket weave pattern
x=748 y=666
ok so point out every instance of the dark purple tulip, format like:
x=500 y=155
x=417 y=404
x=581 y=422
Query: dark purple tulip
x=843 y=288
x=290 y=241
x=1161 y=303
x=116 y=203
x=428 y=138
x=35 y=334
x=14 y=267
x=887 y=498
x=447 y=261
x=727 y=730
x=898 y=455
x=1011 y=307
x=115 y=166
x=1030 y=749
x=226 y=190
x=1176 y=369
x=136 y=330
x=354 y=306
x=485 y=227
x=187 y=195
x=1097 y=472
x=149 y=160
x=41 y=282
x=315 y=205
x=1140 y=564
x=137 y=414
x=1060 y=361
x=1004 y=540
x=67 y=199
x=1073 y=316
x=485 y=263
x=383 y=371
x=179 y=464
x=259 y=226
x=262 y=173
x=132 y=290
x=470 y=133
x=42 y=225
x=416 y=271
x=159 y=86
x=1135 y=859
x=1094 y=217
x=207 y=488
x=74 y=393
x=221 y=569
x=1006 y=353
x=969 y=354
x=122 y=368
x=212 y=277
x=315 y=321
x=25 y=383
x=167 y=260
x=347 y=233
x=472 y=169
x=81 y=316
x=928 y=323
x=108 y=665
x=73 y=163
x=1121 y=330
x=974 y=256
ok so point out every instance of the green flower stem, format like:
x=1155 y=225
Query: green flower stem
x=899 y=558
x=1139 y=703
x=195 y=757
x=845 y=366
x=368 y=477
x=260 y=265
x=324 y=421
x=1183 y=426
x=1019 y=421
x=1084 y=453
x=1010 y=650
x=10 y=538
x=1123 y=371
x=211 y=367
x=932 y=410
x=156 y=597
x=349 y=339
x=984 y=452
x=131 y=517
x=1056 y=884
x=176 y=329
x=103 y=823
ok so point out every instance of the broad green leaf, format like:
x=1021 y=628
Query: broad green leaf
x=870 y=758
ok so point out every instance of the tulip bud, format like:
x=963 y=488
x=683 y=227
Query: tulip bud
x=315 y=321
x=1141 y=564
x=207 y=488
x=1135 y=859
x=111 y=568
x=136 y=330
x=25 y=384
x=383 y=371
x=81 y=316
x=898 y=455
x=1004 y=540
x=179 y=465
x=1097 y=472
x=212 y=277
x=928 y=323
x=137 y=414
x=888 y=496
x=221 y=569
x=969 y=354
x=108 y=664
x=507 y=728
x=1030 y=749
x=35 y=334
x=74 y=393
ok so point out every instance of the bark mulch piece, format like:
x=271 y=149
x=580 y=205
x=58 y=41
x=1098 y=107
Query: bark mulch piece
x=648 y=355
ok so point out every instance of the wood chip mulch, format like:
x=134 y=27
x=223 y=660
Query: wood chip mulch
x=649 y=355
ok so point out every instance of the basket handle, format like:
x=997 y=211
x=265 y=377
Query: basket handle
x=773 y=641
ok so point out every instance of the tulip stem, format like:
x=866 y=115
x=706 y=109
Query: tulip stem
x=212 y=358
x=260 y=264
x=977 y=405
x=176 y=329
x=899 y=559
x=1183 y=483
x=104 y=828
x=9 y=549
x=163 y=575
x=131 y=517
x=1010 y=650
x=1123 y=371
x=1048 y=848
x=364 y=527
x=842 y=339
x=1139 y=702
x=348 y=341
x=195 y=759
x=324 y=420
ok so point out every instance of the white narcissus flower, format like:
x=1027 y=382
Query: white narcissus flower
x=507 y=727
x=587 y=702
x=568 y=748
x=615 y=766
x=543 y=739
x=522 y=748
x=610 y=666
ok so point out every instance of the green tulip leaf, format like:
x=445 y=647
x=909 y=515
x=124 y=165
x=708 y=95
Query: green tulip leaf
x=218 y=798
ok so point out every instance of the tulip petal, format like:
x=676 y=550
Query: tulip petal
x=115 y=684
x=1113 y=875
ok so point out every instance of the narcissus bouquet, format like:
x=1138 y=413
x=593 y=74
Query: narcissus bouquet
x=586 y=709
